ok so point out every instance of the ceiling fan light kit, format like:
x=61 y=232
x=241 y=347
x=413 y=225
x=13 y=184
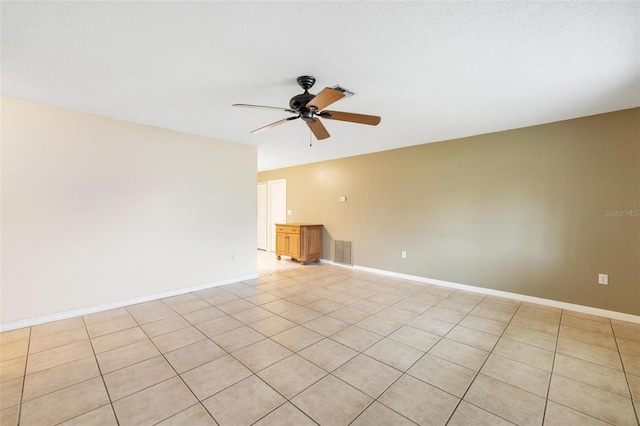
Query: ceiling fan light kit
x=310 y=108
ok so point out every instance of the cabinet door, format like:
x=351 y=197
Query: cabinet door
x=294 y=245
x=281 y=244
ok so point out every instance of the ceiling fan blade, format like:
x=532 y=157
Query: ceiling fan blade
x=371 y=120
x=325 y=98
x=277 y=123
x=318 y=129
x=265 y=107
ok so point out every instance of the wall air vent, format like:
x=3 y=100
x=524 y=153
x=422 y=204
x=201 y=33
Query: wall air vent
x=343 y=252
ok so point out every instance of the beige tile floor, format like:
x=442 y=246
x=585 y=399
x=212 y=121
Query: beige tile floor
x=323 y=345
x=269 y=264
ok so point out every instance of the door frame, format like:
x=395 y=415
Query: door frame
x=271 y=229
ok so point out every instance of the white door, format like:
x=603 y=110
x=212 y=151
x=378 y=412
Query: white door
x=276 y=208
x=262 y=216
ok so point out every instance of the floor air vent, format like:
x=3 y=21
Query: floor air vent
x=342 y=252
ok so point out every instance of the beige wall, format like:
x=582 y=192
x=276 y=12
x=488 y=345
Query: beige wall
x=521 y=211
x=96 y=210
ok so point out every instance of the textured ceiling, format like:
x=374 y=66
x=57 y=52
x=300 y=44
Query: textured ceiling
x=432 y=70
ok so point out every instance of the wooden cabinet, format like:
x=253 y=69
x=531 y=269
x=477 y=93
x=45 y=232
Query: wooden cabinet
x=300 y=241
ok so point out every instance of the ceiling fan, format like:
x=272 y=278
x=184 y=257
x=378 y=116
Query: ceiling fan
x=310 y=108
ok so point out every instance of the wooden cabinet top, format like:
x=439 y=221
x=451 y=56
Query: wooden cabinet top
x=298 y=224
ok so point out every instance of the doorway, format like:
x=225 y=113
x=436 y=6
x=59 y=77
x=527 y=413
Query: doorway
x=272 y=209
x=262 y=216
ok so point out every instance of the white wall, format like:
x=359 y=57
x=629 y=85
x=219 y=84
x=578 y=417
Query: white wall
x=96 y=210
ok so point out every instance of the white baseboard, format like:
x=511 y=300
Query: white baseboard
x=120 y=303
x=524 y=298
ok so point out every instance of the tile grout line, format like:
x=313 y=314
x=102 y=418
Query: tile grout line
x=24 y=378
x=569 y=356
x=374 y=400
x=181 y=411
x=286 y=400
x=101 y=375
x=237 y=360
x=426 y=352
x=413 y=364
x=624 y=371
x=402 y=372
x=477 y=372
x=173 y=368
x=331 y=373
x=483 y=363
x=49 y=368
x=553 y=367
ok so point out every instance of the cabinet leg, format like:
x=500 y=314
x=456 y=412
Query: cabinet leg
x=317 y=260
x=279 y=257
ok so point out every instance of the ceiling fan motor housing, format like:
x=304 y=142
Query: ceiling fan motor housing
x=298 y=102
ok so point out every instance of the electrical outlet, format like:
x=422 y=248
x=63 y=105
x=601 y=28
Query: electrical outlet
x=404 y=254
x=289 y=212
x=603 y=279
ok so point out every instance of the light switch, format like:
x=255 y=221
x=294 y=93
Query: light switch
x=288 y=212
x=343 y=199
